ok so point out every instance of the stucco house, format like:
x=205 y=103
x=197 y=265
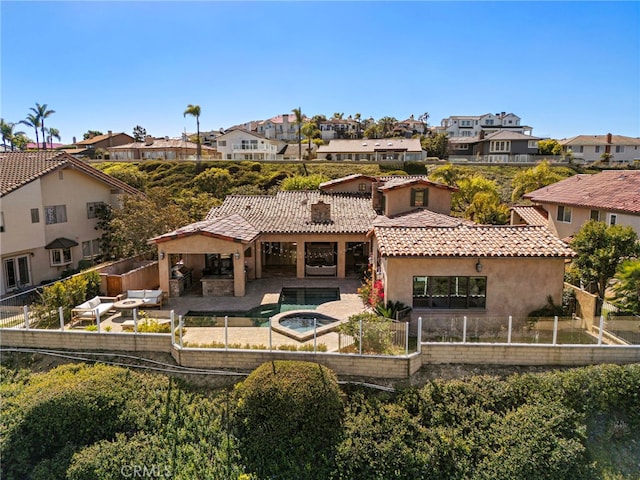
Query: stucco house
x=504 y=146
x=398 y=226
x=240 y=144
x=97 y=143
x=611 y=196
x=162 y=149
x=48 y=220
x=591 y=148
x=374 y=150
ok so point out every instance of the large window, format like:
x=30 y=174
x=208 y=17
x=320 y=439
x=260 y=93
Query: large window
x=500 y=146
x=564 y=214
x=55 y=214
x=91 y=249
x=419 y=197
x=16 y=272
x=450 y=292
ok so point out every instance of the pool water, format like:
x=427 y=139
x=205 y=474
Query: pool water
x=304 y=322
x=291 y=298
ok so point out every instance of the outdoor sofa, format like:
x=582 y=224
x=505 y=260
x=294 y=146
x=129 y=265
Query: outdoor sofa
x=91 y=309
x=151 y=298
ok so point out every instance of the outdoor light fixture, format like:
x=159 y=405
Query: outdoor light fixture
x=478 y=266
x=237 y=255
x=161 y=254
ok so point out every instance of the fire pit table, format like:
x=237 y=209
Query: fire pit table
x=126 y=306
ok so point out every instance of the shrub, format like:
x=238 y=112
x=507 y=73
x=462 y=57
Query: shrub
x=376 y=332
x=288 y=420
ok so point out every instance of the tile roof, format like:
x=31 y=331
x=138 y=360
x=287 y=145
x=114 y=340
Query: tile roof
x=232 y=227
x=600 y=140
x=401 y=181
x=371 y=145
x=471 y=241
x=349 y=178
x=532 y=214
x=290 y=212
x=611 y=190
x=99 y=138
x=20 y=168
x=420 y=217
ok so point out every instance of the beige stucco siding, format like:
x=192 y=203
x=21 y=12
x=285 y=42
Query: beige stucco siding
x=515 y=286
x=580 y=216
x=399 y=200
x=20 y=234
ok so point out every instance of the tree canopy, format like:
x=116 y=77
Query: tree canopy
x=532 y=179
x=601 y=248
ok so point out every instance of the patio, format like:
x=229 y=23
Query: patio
x=259 y=292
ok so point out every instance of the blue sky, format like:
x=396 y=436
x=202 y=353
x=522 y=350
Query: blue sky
x=566 y=68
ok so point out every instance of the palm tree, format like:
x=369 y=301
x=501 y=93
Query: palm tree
x=53 y=133
x=33 y=121
x=310 y=131
x=299 y=119
x=41 y=112
x=194 y=111
x=8 y=135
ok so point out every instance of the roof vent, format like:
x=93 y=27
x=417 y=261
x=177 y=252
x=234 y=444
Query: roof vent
x=364 y=144
x=377 y=144
x=389 y=144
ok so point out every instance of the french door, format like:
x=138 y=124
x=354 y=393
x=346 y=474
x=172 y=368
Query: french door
x=16 y=272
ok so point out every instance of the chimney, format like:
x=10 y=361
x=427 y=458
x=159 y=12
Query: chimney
x=321 y=212
x=110 y=135
x=608 y=138
x=148 y=140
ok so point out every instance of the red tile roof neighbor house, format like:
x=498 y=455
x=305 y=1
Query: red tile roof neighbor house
x=531 y=215
x=611 y=190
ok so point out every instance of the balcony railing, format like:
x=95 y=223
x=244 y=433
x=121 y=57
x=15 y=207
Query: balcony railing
x=253 y=147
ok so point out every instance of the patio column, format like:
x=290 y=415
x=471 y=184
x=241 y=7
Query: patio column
x=163 y=270
x=239 y=282
x=301 y=247
x=342 y=255
x=258 y=259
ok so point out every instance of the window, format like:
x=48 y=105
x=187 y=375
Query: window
x=533 y=144
x=60 y=256
x=35 y=215
x=596 y=215
x=419 y=197
x=488 y=122
x=362 y=187
x=91 y=249
x=450 y=292
x=581 y=149
x=564 y=214
x=1 y=221
x=55 y=214
x=500 y=146
x=613 y=218
x=466 y=133
x=222 y=143
x=465 y=123
x=92 y=209
x=462 y=146
x=619 y=149
x=597 y=148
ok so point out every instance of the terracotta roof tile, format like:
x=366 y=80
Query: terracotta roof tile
x=19 y=168
x=290 y=212
x=401 y=181
x=420 y=218
x=231 y=227
x=99 y=138
x=471 y=241
x=371 y=145
x=611 y=190
x=532 y=214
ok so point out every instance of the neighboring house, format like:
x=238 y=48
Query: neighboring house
x=373 y=150
x=239 y=144
x=97 y=143
x=398 y=226
x=470 y=126
x=592 y=148
x=337 y=128
x=162 y=149
x=290 y=151
x=410 y=127
x=281 y=127
x=48 y=214
x=611 y=196
x=499 y=147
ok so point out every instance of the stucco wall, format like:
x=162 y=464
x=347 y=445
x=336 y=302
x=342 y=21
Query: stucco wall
x=515 y=286
x=399 y=200
x=580 y=216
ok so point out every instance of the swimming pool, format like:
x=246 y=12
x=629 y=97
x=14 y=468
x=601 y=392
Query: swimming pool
x=291 y=298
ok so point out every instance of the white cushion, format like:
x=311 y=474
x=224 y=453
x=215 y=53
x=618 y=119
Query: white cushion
x=94 y=302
